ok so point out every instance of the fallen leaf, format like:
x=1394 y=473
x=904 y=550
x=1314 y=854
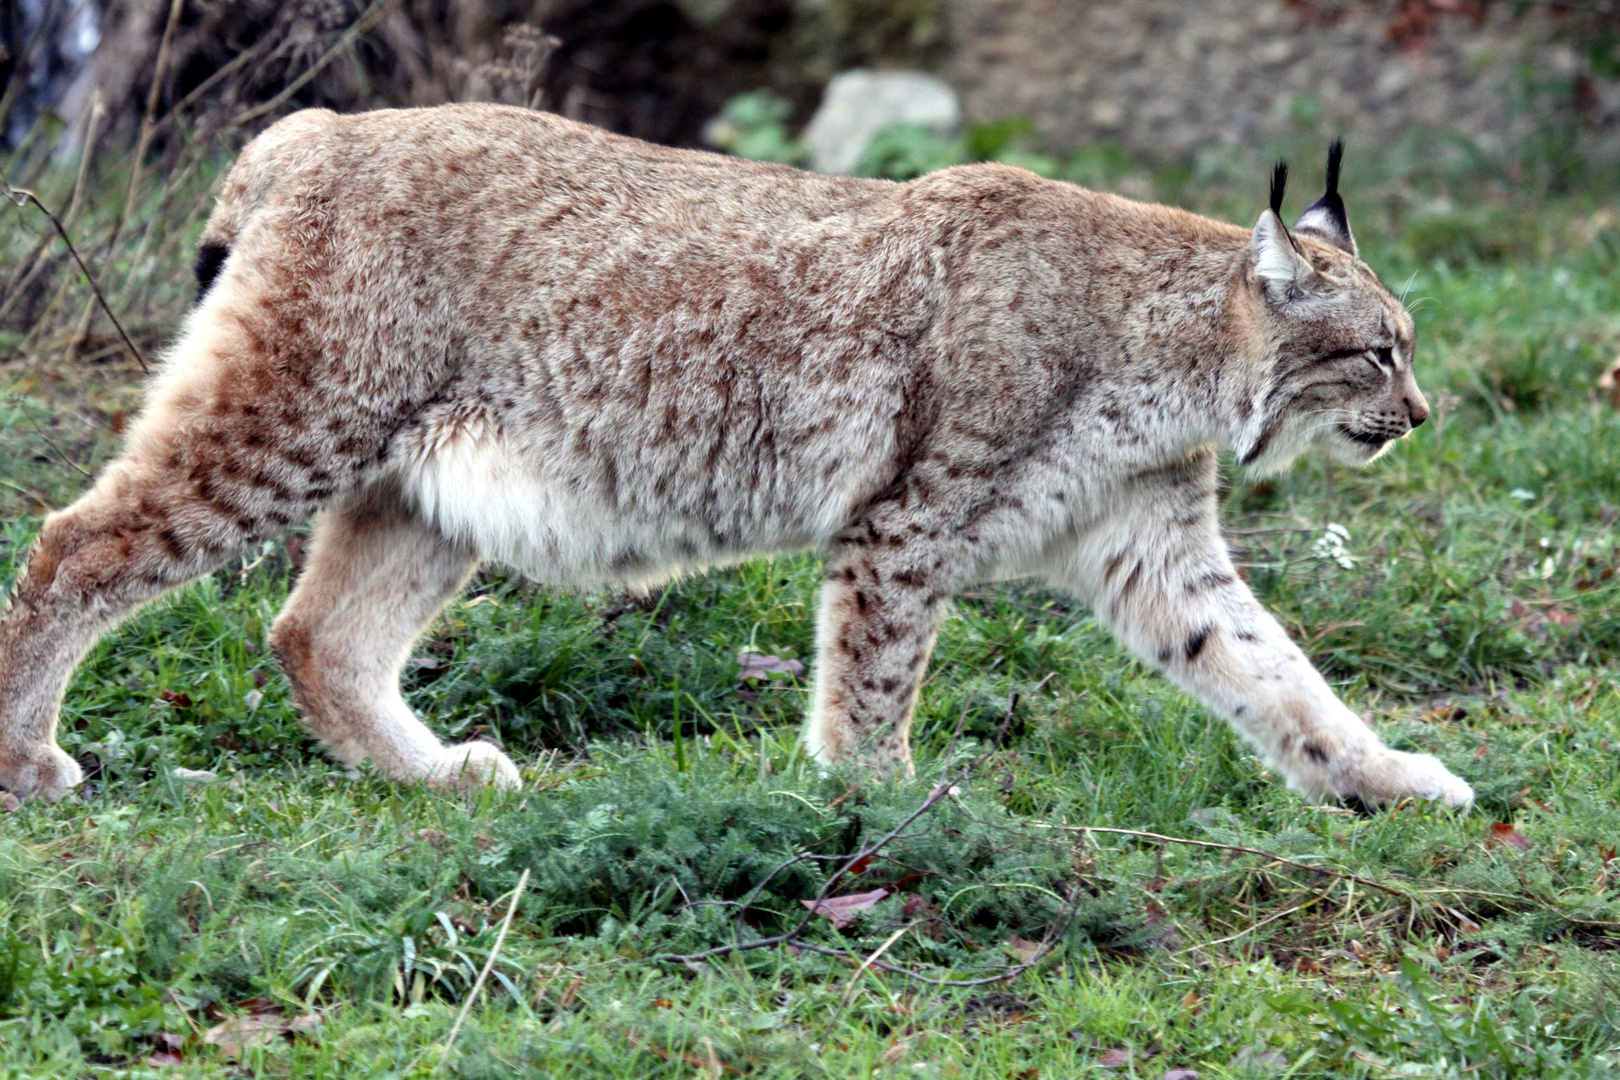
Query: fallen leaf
x=1113 y=1059
x=163 y=1058
x=176 y=698
x=1181 y=1074
x=757 y=667
x=1021 y=950
x=861 y=865
x=1561 y=616
x=1504 y=834
x=262 y=1024
x=425 y=663
x=1607 y=853
x=1358 y=950
x=239 y=1034
x=1160 y=928
x=843 y=909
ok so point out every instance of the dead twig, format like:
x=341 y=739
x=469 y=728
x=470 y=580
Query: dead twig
x=1343 y=875
x=368 y=18
x=22 y=197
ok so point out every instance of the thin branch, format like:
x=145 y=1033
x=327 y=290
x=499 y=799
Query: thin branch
x=1344 y=875
x=368 y=18
x=1254 y=926
x=22 y=196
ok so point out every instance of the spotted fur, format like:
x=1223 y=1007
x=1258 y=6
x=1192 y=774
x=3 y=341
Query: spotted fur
x=476 y=332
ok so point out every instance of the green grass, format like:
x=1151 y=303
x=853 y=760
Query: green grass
x=1479 y=620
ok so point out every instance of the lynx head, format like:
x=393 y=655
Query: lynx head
x=1335 y=363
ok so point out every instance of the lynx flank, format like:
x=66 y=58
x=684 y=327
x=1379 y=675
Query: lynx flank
x=475 y=332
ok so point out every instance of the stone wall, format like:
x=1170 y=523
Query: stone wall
x=1170 y=78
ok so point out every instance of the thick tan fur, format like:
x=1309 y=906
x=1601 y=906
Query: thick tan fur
x=476 y=332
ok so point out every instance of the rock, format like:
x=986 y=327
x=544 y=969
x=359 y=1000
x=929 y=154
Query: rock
x=858 y=104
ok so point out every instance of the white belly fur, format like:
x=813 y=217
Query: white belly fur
x=477 y=490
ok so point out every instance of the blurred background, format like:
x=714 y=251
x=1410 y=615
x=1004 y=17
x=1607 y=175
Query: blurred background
x=124 y=112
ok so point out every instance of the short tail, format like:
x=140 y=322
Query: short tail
x=211 y=256
x=277 y=151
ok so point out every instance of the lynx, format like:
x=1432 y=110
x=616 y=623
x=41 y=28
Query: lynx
x=479 y=333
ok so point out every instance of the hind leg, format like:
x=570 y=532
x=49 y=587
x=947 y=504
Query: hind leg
x=142 y=530
x=376 y=576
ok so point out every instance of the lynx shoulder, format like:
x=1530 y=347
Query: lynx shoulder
x=474 y=332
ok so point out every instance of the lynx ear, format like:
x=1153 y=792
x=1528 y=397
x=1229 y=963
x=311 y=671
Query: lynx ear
x=1326 y=220
x=1276 y=264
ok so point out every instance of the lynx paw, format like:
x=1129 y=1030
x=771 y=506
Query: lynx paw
x=474 y=765
x=1390 y=776
x=45 y=773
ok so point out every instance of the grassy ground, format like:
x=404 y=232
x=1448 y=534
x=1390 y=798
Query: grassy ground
x=284 y=918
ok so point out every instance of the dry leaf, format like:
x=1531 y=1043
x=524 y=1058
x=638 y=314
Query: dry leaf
x=163 y=1058
x=1021 y=950
x=1160 y=928
x=843 y=909
x=1504 y=834
x=1181 y=1074
x=237 y=1035
x=1113 y=1059
x=757 y=667
x=263 y=1025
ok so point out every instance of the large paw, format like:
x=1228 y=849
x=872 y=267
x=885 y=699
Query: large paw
x=474 y=765
x=43 y=772
x=1389 y=776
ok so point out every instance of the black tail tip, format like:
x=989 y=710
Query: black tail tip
x=1335 y=157
x=1279 y=182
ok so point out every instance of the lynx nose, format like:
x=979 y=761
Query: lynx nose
x=1417 y=410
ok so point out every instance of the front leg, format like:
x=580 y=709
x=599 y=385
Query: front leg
x=1159 y=577
x=886 y=591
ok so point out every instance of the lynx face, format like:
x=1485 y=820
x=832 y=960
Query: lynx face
x=1341 y=370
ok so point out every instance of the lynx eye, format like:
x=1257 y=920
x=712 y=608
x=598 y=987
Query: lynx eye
x=1386 y=357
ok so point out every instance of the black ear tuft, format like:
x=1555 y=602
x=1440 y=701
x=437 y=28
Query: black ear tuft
x=1335 y=157
x=1279 y=182
x=1325 y=219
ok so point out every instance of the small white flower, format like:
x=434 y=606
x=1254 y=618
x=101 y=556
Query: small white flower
x=1331 y=545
